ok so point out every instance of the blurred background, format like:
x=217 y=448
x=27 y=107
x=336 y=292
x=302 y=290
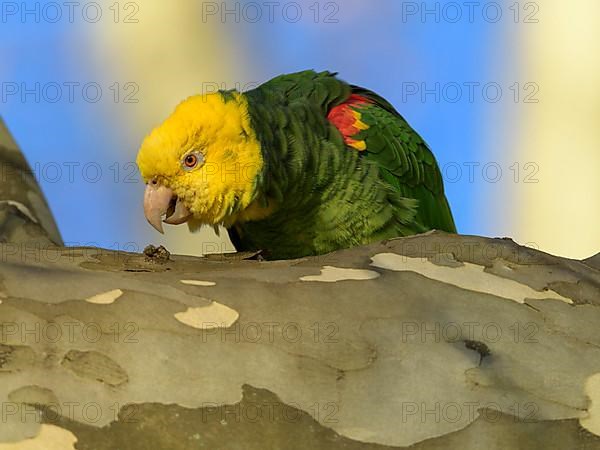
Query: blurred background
x=506 y=94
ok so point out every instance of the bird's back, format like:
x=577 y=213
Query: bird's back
x=344 y=167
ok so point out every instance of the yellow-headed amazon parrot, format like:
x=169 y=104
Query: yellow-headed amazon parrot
x=302 y=165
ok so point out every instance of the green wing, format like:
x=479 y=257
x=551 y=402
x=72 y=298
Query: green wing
x=306 y=160
x=322 y=89
x=406 y=163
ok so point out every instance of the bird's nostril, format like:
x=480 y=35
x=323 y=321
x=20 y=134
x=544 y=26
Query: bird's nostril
x=153 y=181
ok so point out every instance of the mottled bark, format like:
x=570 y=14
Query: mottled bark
x=24 y=213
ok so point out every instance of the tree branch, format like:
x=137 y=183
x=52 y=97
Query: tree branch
x=24 y=213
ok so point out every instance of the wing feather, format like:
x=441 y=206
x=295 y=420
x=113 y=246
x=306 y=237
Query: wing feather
x=405 y=160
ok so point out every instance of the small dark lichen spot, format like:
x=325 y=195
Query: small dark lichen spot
x=5 y=352
x=158 y=254
x=479 y=347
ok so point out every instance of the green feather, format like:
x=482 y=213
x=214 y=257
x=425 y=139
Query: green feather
x=329 y=195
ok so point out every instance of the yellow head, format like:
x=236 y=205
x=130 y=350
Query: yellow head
x=202 y=162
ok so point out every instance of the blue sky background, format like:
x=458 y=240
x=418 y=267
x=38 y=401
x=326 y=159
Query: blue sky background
x=373 y=46
x=66 y=142
x=370 y=46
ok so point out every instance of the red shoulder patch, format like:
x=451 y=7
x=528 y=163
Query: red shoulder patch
x=347 y=119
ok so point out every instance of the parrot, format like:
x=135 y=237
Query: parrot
x=304 y=164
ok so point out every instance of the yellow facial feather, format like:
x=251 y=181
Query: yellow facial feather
x=224 y=186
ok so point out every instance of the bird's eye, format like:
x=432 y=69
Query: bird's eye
x=191 y=160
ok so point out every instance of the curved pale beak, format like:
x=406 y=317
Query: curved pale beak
x=160 y=201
